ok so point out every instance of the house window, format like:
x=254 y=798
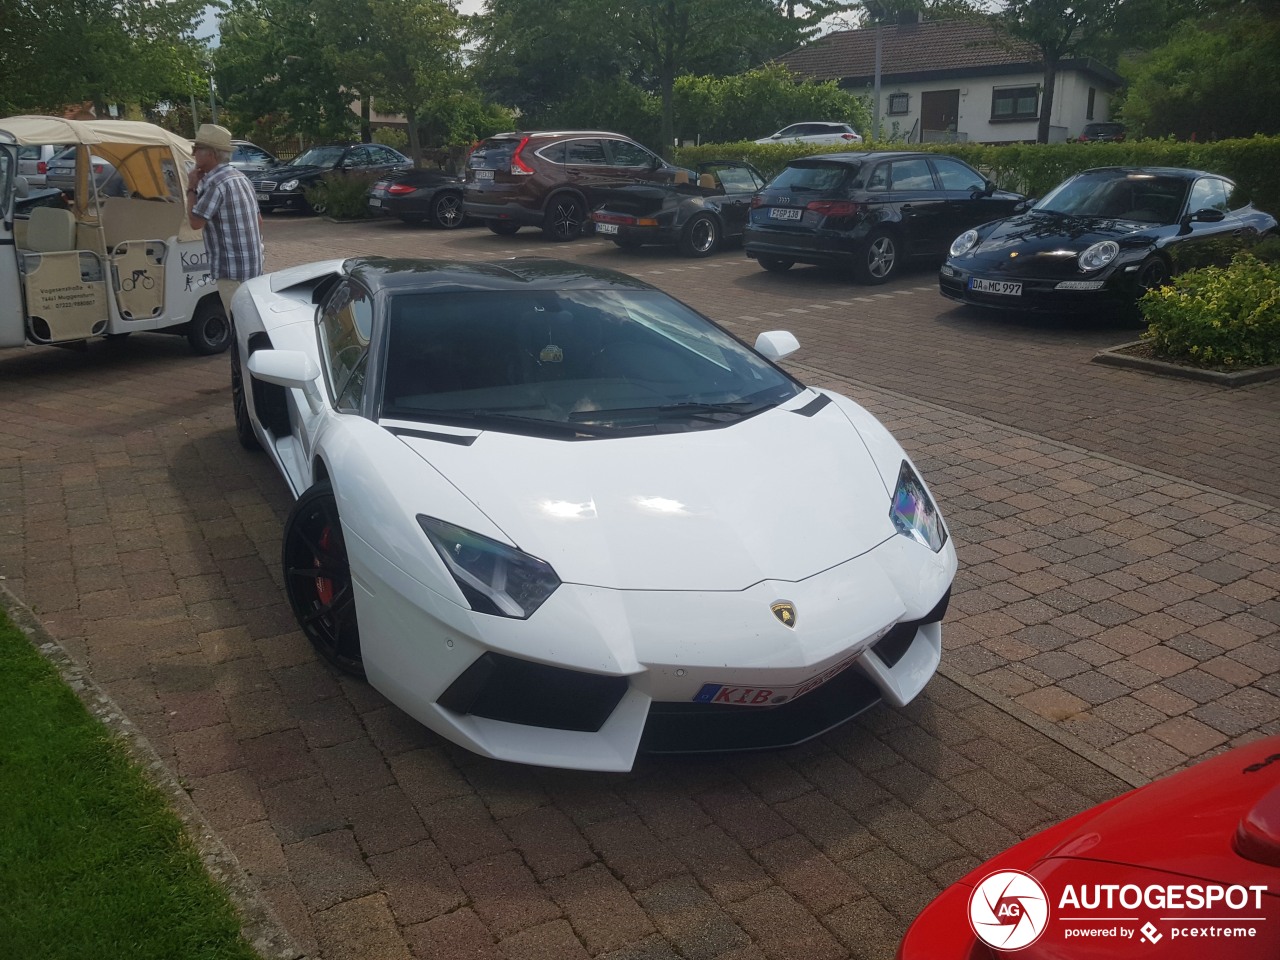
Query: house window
x=1088 y=110
x=899 y=103
x=1015 y=103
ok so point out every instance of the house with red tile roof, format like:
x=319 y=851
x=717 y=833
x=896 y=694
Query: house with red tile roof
x=953 y=80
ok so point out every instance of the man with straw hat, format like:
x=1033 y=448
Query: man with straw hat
x=222 y=204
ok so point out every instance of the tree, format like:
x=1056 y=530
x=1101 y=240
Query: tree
x=1216 y=77
x=1064 y=30
x=105 y=51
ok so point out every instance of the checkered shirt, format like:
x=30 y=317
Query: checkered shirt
x=226 y=202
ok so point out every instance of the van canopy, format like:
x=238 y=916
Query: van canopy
x=151 y=161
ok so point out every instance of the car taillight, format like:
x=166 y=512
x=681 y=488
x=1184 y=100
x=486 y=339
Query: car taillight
x=518 y=167
x=848 y=136
x=835 y=208
x=397 y=189
x=98 y=168
x=619 y=218
x=42 y=167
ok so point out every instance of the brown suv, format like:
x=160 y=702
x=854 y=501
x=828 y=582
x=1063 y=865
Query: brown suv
x=553 y=180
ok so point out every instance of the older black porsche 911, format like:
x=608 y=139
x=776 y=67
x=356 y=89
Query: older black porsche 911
x=1101 y=239
x=697 y=215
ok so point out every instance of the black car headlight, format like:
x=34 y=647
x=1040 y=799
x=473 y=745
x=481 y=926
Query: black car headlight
x=913 y=512
x=1099 y=255
x=964 y=243
x=290 y=185
x=494 y=578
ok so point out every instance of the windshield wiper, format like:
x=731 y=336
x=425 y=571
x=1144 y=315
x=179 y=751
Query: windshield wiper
x=478 y=418
x=690 y=408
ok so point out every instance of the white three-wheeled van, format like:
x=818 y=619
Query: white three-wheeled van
x=120 y=256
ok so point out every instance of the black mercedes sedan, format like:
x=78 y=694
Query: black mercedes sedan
x=419 y=196
x=284 y=187
x=869 y=212
x=698 y=215
x=1101 y=239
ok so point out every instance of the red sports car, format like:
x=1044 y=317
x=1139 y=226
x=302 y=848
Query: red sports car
x=1182 y=869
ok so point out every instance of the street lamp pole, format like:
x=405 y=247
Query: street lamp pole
x=213 y=100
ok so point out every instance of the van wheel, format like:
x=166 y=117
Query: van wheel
x=503 y=228
x=209 y=331
x=565 y=216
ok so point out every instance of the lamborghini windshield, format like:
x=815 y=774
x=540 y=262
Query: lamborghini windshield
x=575 y=363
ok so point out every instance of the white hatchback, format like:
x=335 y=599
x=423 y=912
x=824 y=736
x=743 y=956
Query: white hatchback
x=821 y=133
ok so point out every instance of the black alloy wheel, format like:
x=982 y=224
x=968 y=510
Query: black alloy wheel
x=879 y=258
x=701 y=237
x=208 y=330
x=239 y=406
x=446 y=211
x=1153 y=274
x=774 y=265
x=565 y=216
x=317 y=578
x=320 y=204
x=503 y=228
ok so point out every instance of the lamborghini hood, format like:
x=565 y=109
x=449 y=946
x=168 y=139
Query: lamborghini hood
x=779 y=496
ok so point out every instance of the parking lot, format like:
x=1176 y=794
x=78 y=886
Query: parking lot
x=1115 y=617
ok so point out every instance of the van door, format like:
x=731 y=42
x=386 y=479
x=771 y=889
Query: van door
x=12 y=332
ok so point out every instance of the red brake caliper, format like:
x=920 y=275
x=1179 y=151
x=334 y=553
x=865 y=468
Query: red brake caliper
x=324 y=586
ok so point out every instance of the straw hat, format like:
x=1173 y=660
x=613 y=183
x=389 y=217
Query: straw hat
x=213 y=136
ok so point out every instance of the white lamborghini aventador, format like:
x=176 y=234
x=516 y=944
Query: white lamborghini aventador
x=559 y=517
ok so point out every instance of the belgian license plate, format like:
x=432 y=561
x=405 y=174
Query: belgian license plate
x=786 y=213
x=768 y=696
x=375 y=202
x=606 y=228
x=264 y=196
x=1002 y=287
x=484 y=174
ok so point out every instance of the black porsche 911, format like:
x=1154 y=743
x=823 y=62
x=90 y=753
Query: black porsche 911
x=696 y=215
x=420 y=196
x=1101 y=239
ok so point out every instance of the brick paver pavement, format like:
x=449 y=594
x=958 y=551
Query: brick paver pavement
x=1114 y=618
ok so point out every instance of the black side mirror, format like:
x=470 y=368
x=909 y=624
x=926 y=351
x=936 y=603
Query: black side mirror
x=1207 y=215
x=989 y=188
x=1024 y=205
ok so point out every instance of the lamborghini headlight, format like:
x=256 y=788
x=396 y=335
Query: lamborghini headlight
x=289 y=185
x=494 y=578
x=964 y=243
x=913 y=512
x=1099 y=255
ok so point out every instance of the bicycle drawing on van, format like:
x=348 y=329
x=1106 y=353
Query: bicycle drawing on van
x=139 y=277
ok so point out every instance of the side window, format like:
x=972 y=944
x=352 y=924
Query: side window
x=628 y=154
x=958 y=176
x=1236 y=197
x=386 y=155
x=879 y=179
x=345 y=325
x=910 y=174
x=554 y=152
x=1209 y=192
x=795 y=130
x=360 y=156
x=585 y=153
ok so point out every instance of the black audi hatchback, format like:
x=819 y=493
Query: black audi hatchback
x=869 y=212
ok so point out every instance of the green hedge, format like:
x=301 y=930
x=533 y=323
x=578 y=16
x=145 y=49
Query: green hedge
x=1033 y=169
x=1225 y=318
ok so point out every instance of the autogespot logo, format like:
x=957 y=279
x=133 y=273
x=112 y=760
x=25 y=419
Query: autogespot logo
x=1009 y=910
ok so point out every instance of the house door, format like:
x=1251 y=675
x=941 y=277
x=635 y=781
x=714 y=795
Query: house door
x=939 y=112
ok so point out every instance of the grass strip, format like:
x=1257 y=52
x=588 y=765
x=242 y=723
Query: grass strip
x=93 y=863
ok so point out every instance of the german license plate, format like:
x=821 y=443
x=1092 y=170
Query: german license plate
x=1002 y=287
x=484 y=174
x=786 y=213
x=768 y=696
x=375 y=202
x=606 y=228
x=264 y=196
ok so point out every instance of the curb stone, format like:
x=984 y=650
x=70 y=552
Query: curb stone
x=260 y=927
x=1116 y=357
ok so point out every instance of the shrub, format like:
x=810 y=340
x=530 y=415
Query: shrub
x=341 y=196
x=1215 y=317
